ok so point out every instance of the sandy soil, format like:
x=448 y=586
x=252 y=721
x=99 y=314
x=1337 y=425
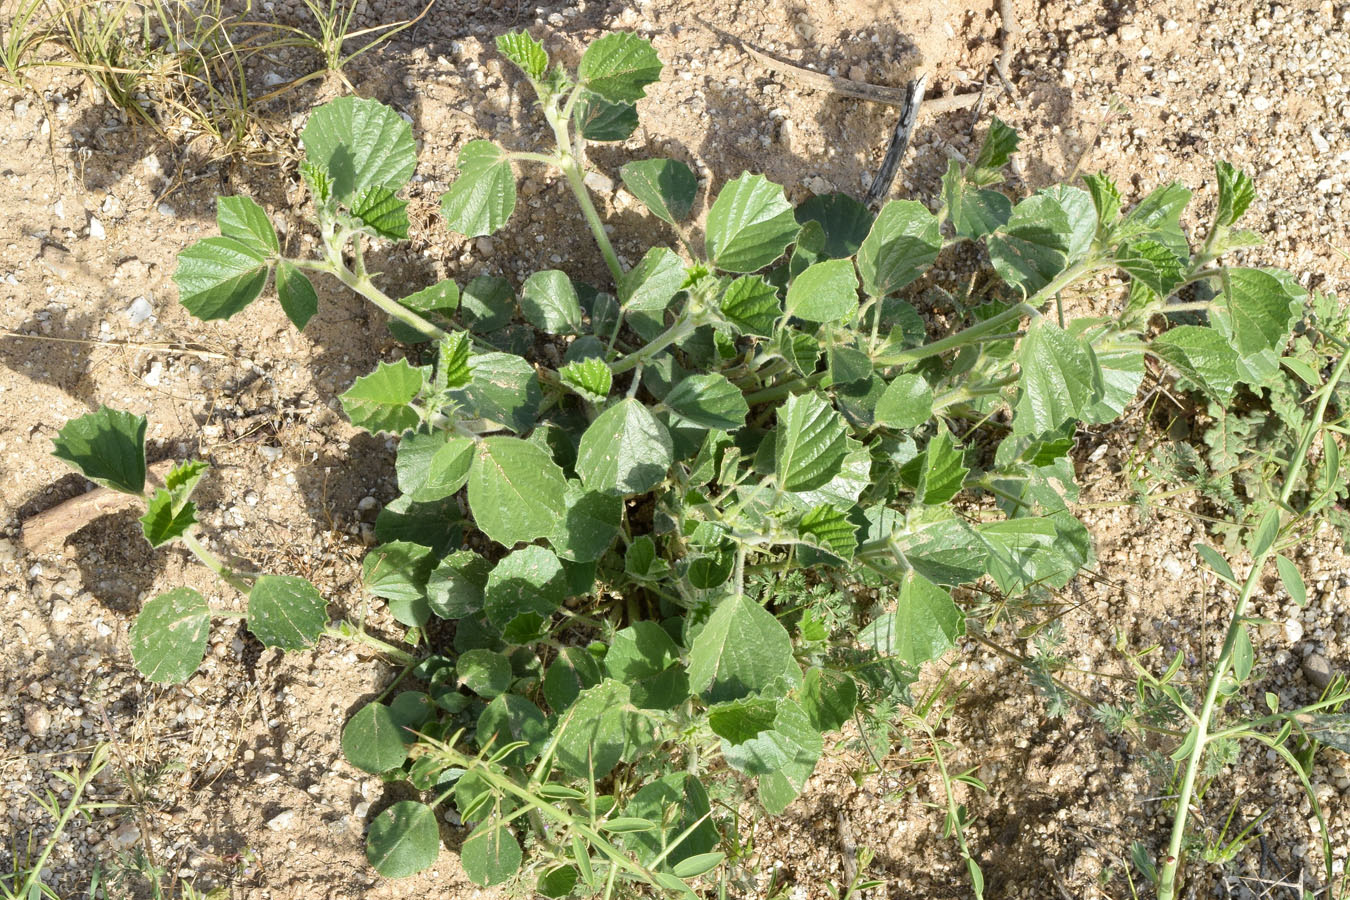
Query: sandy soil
x=236 y=778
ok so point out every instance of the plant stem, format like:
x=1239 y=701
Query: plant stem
x=567 y=160
x=994 y=325
x=212 y=562
x=363 y=285
x=78 y=783
x=1200 y=731
x=684 y=326
x=345 y=632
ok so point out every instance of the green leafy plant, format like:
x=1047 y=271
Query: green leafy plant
x=736 y=498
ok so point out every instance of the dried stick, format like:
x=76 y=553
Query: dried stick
x=50 y=528
x=909 y=114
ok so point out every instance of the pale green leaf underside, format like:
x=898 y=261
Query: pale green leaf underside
x=168 y=639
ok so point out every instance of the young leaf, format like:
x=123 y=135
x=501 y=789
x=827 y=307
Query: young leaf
x=590 y=378
x=382 y=212
x=361 y=144
x=455 y=586
x=999 y=146
x=709 y=401
x=528 y=54
x=749 y=225
x=1060 y=378
x=168 y=640
x=1105 y=199
x=245 y=221
x=653 y=282
x=844 y=222
x=751 y=305
x=1216 y=562
x=484 y=195
x=824 y=292
x=516 y=490
x=286 y=611
x=942 y=471
x=488 y=304
x=432 y=465
x=527 y=580
x=397 y=571
x=106 y=446
x=165 y=520
x=549 y=302
x=296 y=293
x=1236 y=193
x=1243 y=656
x=503 y=388
x=1267 y=530
x=618 y=66
x=403 y=840
x=830 y=529
x=452 y=361
x=1293 y=581
x=599 y=120
x=1151 y=263
x=740 y=650
x=372 y=741
x=829 y=697
x=381 y=401
x=1255 y=311
x=1032 y=248
x=906 y=403
x=973 y=212
x=219 y=276
x=904 y=241
x=485 y=672
x=1082 y=215
x=667 y=187
x=924 y=626
x=626 y=450
x=811 y=443
x=1202 y=356
x=441 y=298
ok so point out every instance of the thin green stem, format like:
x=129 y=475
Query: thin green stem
x=345 y=631
x=391 y=307
x=79 y=782
x=684 y=326
x=1200 y=732
x=994 y=325
x=782 y=389
x=212 y=562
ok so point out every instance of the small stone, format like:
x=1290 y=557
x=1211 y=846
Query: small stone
x=140 y=310
x=126 y=837
x=282 y=820
x=166 y=210
x=361 y=810
x=599 y=182
x=96 y=229
x=1293 y=630
x=1261 y=104
x=1317 y=669
x=271 y=454
x=1130 y=33
x=817 y=185
x=21 y=109
x=37 y=721
x=1318 y=141
x=485 y=245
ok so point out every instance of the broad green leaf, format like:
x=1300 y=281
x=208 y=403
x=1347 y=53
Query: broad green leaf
x=490 y=854
x=626 y=450
x=751 y=305
x=1060 y=378
x=1105 y=199
x=572 y=672
x=516 y=491
x=653 y=282
x=361 y=144
x=1082 y=215
x=848 y=366
x=792 y=744
x=590 y=378
x=107 y=446
x=373 y=741
x=382 y=212
x=452 y=361
x=667 y=187
x=589 y=526
x=166 y=520
x=432 y=464
x=1033 y=550
x=907 y=402
x=810 y=445
x=853 y=477
x=828 y=696
x=947 y=552
x=1122 y=368
x=1158 y=216
x=824 y=292
x=1151 y=263
x=549 y=302
x=528 y=580
x=1293 y=581
x=557 y=883
x=904 y=241
x=1202 y=356
x=677 y=801
x=844 y=222
x=973 y=212
x=802 y=744
x=286 y=611
x=245 y=221
x=924 y=626
x=1255 y=311
x=1032 y=248
x=503 y=388
x=403 y=840
x=639 y=651
x=709 y=401
x=484 y=195
x=441 y=297
x=1236 y=193
x=438 y=524
x=1000 y=143
x=397 y=571
x=488 y=304
x=749 y=225
x=618 y=66
x=455 y=586
x=168 y=639
x=485 y=672
x=599 y=729
x=219 y=276
x=940 y=471
x=182 y=478
x=381 y=401
x=599 y=120
x=528 y=54
x=296 y=292
x=830 y=529
x=741 y=649
x=510 y=718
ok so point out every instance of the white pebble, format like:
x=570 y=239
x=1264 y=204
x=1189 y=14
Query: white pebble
x=1293 y=630
x=96 y=229
x=140 y=310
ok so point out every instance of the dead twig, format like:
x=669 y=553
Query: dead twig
x=51 y=527
x=909 y=114
x=1012 y=30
